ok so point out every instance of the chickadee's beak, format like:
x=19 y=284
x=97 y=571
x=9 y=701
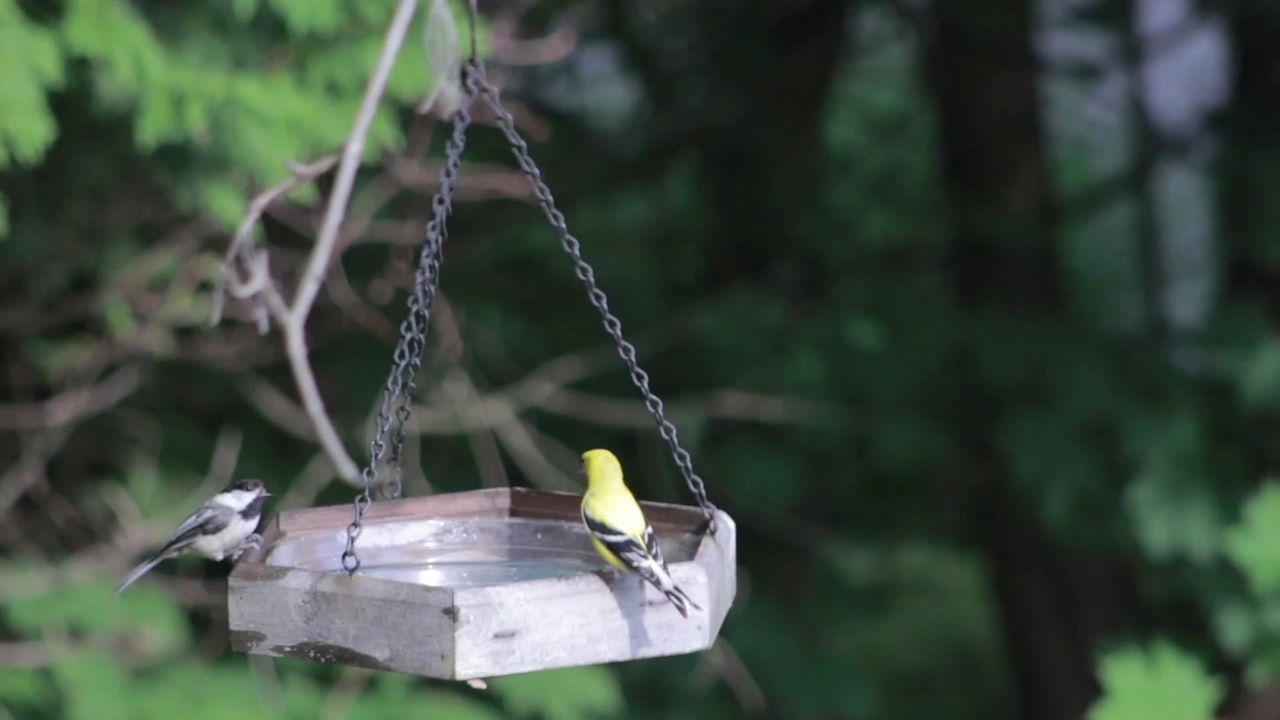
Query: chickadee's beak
x=265 y=493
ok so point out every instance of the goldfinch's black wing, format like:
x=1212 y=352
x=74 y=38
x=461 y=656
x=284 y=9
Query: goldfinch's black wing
x=629 y=550
x=644 y=558
x=651 y=546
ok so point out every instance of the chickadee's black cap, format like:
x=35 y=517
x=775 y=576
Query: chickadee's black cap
x=248 y=484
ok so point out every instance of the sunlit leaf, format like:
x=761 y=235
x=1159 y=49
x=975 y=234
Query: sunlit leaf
x=1253 y=545
x=1156 y=682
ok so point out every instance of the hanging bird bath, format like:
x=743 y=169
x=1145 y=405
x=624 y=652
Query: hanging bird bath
x=476 y=584
x=473 y=585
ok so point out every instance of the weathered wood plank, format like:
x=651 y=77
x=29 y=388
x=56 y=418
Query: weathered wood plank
x=717 y=555
x=567 y=506
x=576 y=620
x=494 y=502
x=329 y=617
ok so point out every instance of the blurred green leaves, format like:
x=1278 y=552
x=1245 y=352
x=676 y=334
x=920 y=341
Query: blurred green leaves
x=145 y=619
x=566 y=694
x=33 y=66
x=230 y=100
x=134 y=658
x=1259 y=376
x=1254 y=544
x=1160 y=681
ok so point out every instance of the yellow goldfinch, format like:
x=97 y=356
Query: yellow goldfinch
x=618 y=528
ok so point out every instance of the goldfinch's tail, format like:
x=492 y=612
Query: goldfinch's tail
x=681 y=600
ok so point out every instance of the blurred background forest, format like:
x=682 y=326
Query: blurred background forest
x=967 y=312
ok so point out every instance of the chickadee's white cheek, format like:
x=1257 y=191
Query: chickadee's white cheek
x=239 y=499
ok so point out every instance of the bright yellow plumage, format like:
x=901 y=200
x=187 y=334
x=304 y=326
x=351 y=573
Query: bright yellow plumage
x=609 y=501
x=618 y=529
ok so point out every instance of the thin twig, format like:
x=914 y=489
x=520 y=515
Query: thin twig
x=30 y=468
x=499 y=408
x=226 y=455
x=725 y=662
x=459 y=387
x=267 y=678
x=727 y=404
x=72 y=405
x=275 y=406
x=295 y=346
x=30 y=653
x=524 y=450
x=295 y=339
x=351 y=683
x=260 y=287
x=258 y=284
x=307 y=485
x=322 y=253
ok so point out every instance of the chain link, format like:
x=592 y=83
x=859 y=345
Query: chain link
x=426 y=282
x=407 y=359
x=599 y=300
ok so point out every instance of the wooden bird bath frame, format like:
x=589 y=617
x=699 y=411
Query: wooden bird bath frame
x=291 y=598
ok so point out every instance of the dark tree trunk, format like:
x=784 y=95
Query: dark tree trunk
x=1249 y=171
x=1251 y=156
x=774 y=63
x=1054 y=606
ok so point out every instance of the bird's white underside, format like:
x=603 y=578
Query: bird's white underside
x=221 y=544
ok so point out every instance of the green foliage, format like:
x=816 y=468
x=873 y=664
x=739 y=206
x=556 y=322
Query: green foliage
x=1254 y=545
x=228 y=101
x=148 y=618
x=1259 y=378
x=33 y=67
x=1161 y=681
x=566 y=694
x=133 y=658
x=398 y=695
x=896 y=632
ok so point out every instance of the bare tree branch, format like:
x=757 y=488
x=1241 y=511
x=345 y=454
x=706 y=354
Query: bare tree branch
x=255 y=265
x=226 y=455
x=30 y=467
x=484 y=447
x=259 y=285
x=322 y=253
x=726 y=404
x=723 y=661
x=509 y=49
x=307 y=485
x=72 y=405
x=273 y=405
x=351 y=683
x=501 y=407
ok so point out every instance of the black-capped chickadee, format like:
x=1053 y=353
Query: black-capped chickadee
x=220 y=528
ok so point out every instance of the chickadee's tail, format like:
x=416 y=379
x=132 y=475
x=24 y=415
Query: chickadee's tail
x=139 y=571
x=681 y=600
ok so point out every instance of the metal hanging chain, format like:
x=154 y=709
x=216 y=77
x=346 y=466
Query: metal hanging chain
x=420 y=302
x=586 y=274
x=407 y=359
